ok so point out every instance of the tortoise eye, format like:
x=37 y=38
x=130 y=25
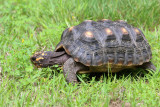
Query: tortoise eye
x=33 y=58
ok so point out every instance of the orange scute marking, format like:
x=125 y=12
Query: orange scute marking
x=61 y=46
x=147 y=60
x=70 y=29
x=130 y=63
x=111 y=61
x=76 y=59
x=120 y=63
x=124 y=31
x=39 y=58
x=137 y=31
x=109 y=31
x=100 y=63
x=140 y=63
x=89 y=34
x=87 y=64
x=67 y=51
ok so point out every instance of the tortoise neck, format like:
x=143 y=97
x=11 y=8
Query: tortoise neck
x=58 y=58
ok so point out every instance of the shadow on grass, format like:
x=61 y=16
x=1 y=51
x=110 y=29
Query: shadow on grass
x=124 y=74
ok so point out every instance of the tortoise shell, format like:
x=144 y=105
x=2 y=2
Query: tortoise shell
x=97 y=43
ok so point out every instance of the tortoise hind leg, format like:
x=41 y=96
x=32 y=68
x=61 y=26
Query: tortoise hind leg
x=70 y=69
x=148 y=65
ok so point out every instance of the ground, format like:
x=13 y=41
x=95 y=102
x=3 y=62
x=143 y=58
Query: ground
x=27 y=26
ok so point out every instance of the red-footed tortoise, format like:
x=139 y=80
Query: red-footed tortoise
x=96 y=46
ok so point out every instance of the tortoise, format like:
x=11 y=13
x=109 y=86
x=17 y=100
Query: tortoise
x=95 y=46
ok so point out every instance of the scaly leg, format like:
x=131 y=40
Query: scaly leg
x=148 y=65
x=70 y=69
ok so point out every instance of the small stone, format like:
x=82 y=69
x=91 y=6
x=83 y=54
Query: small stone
x=127 y=105
x=138 y=104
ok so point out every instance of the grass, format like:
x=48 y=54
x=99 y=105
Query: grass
x=27 y=26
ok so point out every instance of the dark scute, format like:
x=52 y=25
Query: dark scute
x=89 y=58
x=139 y=57
x=86 y=60
x=69 y=34
x=94 y=47
x=110 y=55
x=131 y=51
x=105 y=23
x=138 y=52
x=145 y=54
x=105 y=58
x=148 y=47
x=79 y=53
x=110 y=38
x=126 y=38
x=120 y=59
x=64 y=33
x=95 y=24
x=71 y=49
x=121 y=55
x=111 y=45
x=78 y=42
x=81 y=50
x=97 y=56
x=82 y=24
x=139 y=38
x=130 y=55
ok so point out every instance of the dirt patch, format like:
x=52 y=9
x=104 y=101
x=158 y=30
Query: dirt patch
x=118 y=103
x=0 y=70
x=0 y=73
x=38 y=30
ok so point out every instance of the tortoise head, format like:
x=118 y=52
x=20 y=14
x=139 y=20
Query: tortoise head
x=49 y=58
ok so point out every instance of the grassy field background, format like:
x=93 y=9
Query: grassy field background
x=27 y=26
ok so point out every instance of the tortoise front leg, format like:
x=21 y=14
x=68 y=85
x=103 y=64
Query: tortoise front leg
x=148 y=65
x=70 y=69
